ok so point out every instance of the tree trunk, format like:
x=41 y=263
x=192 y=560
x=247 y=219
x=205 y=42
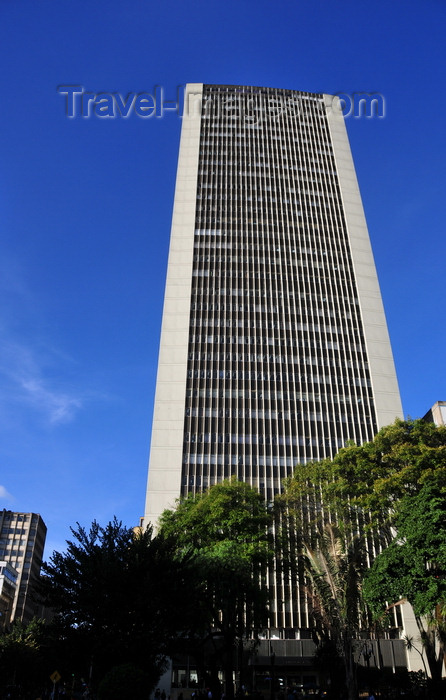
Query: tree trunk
x=350 y=669
x=434 y=656
x=229 y=670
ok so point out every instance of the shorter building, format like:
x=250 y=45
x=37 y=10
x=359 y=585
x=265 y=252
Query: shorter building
x=437 y=414
x=8 y=587
x=22 y=541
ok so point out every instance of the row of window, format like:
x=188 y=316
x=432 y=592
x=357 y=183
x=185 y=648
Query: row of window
x=252 y=217
x=262 y=375
x=225 y=186
x=308 y=169
x=206 y=267
x=220 y=128
x=18 y=530
x=263 y=340
x=255 y=460
x=307 y=298
x=15 y=553
x=16 y=540
x=307 y=280
x=258 y=395
x=203 y=356
x=253 y=439
x=202 y=482
x=235 y=192
x=255 y=170
x=279 y=414
x=221 y=131
x=263 y=324
x=274 y=135
x=270 y=311
x=289 y=257
x=292 y=248
x=294 y=244
x=216 y=157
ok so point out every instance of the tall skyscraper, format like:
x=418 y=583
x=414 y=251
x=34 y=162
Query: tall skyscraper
x=274 y=345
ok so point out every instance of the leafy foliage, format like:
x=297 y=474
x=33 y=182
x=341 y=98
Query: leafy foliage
x=414 y=564
x=226 y=531
x=373 y=478
x=392 y=491
x=330 y=561
x=22 y=655
x=335 y=569
x=413 y=567
x=120 y=596
x=125 y=682
x=229 y=512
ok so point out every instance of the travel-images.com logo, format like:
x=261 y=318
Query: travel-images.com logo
x=247 y=107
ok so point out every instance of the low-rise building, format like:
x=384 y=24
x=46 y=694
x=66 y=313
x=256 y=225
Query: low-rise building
x=22 y=541
x=8 y=587
x=436 y=414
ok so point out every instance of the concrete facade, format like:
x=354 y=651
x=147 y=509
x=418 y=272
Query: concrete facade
x=298 y=169
x=274 y=345
x=22 y=541
x=437 y=414
x=168 y=416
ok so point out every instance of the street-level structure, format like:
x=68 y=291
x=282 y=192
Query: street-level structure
x=437 y=414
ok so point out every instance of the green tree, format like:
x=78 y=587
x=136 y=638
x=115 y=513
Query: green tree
x=22 y=656
x=226 y=531
x=377 y=475
x=391 y=491
x=120 y=597
x=369 y=480
x=413 y=566
x=327 y=554
x=335 y=568
x=125 y=682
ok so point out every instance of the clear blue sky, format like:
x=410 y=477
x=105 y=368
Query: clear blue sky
x=85 y=208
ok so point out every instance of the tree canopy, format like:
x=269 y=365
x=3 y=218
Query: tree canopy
x=120 y=596
x=326 y=551
x=393 y=491
x=376 y=475
x=413 y=566
x=125 y=596
x=22 y=657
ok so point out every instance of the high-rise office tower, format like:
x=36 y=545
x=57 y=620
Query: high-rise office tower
x=274 y=345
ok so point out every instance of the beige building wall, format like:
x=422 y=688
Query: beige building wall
x=437 y=414
x=382 y=368
x=168 y=418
